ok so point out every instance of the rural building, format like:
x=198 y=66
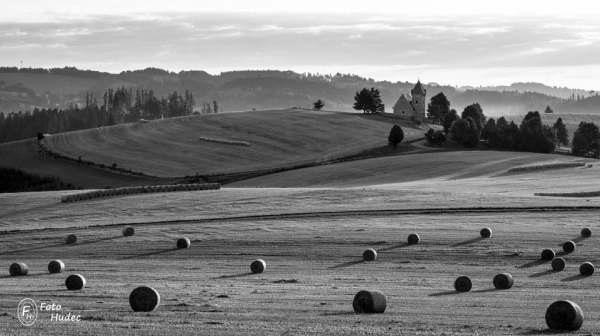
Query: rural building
x=412 y=104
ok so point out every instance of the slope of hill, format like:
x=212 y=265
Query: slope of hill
x=24 y=155
x=400 y=169
x=171 y=147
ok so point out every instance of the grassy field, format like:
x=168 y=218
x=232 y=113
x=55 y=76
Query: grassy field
x=171 y=147
x=313 y=244
x=311 y=233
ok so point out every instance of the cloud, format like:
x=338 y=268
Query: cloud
x=340 y=42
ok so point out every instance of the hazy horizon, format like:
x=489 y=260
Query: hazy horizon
x=463 y=43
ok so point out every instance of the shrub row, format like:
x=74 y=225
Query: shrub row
x=113 y=168
x=139 y=190
x=571 y=194
x=227 y=142
x=547 y=166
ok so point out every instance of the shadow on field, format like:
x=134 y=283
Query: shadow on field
x=61 y=244
x=575 y=277
x=151 y=253
x=539 y=274
x=340 y=313
x=33 y=248
x=486 y=290
x=350 y=263
x=29 y=275
x=534 y=263
x=578 y=239
x=233 y=276
x=449 y=292
x=467 y=242
x=393 y=247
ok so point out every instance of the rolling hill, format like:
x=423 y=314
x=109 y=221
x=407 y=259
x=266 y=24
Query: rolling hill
x=171 y=147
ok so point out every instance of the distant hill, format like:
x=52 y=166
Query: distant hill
x=23 y=89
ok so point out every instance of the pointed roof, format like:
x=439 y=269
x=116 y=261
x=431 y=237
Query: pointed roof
x=404 y=99
x=418 y=89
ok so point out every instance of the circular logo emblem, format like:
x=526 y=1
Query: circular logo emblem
x=27 y=312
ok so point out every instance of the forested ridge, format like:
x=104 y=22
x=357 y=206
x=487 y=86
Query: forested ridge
x=84 y=103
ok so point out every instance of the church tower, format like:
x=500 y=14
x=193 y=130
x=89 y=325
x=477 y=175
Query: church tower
x=418 y=94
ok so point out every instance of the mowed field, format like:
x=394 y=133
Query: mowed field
x=171 y=147
x=312 y=240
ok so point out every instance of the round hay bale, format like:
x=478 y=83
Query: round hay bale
x=144 y=299
x=17 y=269
x=587 y=268
x=75 y=282
x=369 y=302
x=548 y=254
x=56 y=266
x=568 y=247
x=413 y=238
x=503 y=281
x=369 y=255
x=463 y=284
x=128 y=231
x=486 y=232
x=586 y=232
x=183 y=242
x=71 y=238
x=203 y=186
x=258 y=266
x=558 y=264
x=564 y=315
x=64 y=199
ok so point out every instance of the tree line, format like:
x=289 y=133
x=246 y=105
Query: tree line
x=116 y=106
x=472 y=126
x=14 y=180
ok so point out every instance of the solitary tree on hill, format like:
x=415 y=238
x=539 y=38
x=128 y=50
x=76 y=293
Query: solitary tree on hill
x=318 y=105
x=548 y=109
x=396 y=136
x=369 y=101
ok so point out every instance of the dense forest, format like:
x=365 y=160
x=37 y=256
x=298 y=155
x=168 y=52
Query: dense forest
x=69 y=98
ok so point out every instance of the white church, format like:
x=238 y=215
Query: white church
x=412 y=104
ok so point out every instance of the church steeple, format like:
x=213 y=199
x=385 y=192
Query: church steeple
x=419 y=94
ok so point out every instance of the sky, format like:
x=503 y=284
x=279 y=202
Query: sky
x=475 y=43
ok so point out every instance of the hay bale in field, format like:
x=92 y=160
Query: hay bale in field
x=183 y=242
x=64 y=199
x=413 y=238
x=56 y=266
x=258 y=266
x=369 y=302
x=71 y=238
x=586 y=232
x=17 y=269
x=75 y=282
x=548 y=254
x=144 y=299
x=503 y=281
x=486 y=232
x=568 y=247
x=463 y=284
x=587 y=268
x=558 y=264
x=128 y=231
x=369 y=255
x=564 y=315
